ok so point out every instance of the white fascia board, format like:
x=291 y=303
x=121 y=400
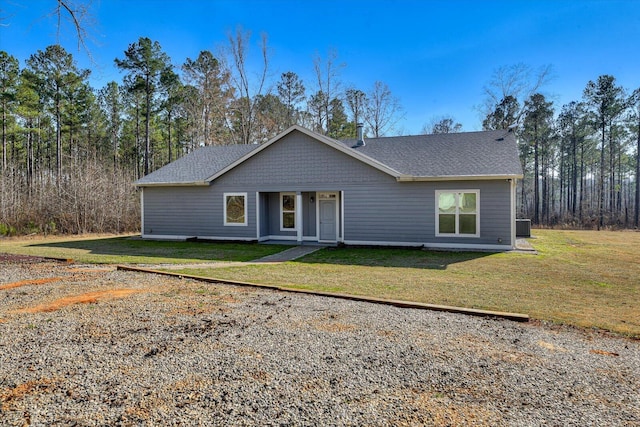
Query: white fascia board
x=173 y=184
x=411 y=178
x=324 y=139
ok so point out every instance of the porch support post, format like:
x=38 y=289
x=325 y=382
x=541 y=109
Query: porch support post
x=513 y=212
x=258 y=216
x=341 y=216
x=299 y=216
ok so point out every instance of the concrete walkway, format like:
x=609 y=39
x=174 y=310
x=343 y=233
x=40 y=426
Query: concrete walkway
x=523 y=245
x=289 y=254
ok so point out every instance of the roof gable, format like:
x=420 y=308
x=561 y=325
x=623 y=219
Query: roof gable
x=321 y=138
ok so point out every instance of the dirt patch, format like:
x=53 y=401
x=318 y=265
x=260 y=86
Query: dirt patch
x=551 y=347
x=443 y=411
x=10 y=395
x=87 y=298
x=30 y=282
x=335 y=327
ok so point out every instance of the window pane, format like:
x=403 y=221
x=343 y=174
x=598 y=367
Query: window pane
x=447 y=223
x=447 y=203
x=288 y=220
x=235 y=209
x=467 y=224
x=288 y=202
x=468 y=202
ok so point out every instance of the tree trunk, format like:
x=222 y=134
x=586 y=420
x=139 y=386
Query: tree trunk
x=636 y=216
x=601 y=180
x=4 y=137
x=169 y=136
x=536 y=177
x=58 y=139
x=147 y=143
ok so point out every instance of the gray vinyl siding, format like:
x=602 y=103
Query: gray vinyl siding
x=377 y=208
x=299 y=163
x=406 y=212
x=193 y=212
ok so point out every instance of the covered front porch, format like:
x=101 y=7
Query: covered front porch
x=300 y=216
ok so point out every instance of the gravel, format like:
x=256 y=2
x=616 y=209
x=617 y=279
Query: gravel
x=154 y=350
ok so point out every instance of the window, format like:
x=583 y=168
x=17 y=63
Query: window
x=235 y=208
x=287 y=211
x=457 y=213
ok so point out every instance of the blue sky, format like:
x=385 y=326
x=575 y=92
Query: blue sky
x=435 y=56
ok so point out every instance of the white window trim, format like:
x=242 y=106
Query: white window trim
x=224 y=204
x=282 y=211
x=457 y=233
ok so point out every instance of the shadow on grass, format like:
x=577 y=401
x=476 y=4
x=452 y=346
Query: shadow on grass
x=391 y=257
x=135 y=249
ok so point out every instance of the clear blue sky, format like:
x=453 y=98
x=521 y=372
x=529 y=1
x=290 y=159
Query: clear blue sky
x=435 y=56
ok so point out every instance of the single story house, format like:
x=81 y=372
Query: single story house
x=453 y=191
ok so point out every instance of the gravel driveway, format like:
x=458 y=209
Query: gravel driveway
x=89 y=346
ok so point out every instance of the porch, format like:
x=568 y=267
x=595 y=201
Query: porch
x=299 y=217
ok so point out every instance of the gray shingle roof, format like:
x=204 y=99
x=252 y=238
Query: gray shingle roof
x=473 y=154
x=198 y=165
x=486 y=153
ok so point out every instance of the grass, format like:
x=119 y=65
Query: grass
x=582 y=278
x=133 y=250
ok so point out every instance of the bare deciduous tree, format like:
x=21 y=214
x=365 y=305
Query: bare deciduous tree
x=442 y=124
x=329 y=87
x=243 y=111
x=518 y=81
x=383 y=110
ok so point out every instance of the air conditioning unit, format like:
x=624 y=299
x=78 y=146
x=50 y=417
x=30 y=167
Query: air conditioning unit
x=523 y=228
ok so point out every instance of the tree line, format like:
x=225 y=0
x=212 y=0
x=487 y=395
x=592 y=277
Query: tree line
x=581 y=162
x=57 y=130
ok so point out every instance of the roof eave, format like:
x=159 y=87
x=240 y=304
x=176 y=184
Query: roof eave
x=172 y=184
x=412 y=178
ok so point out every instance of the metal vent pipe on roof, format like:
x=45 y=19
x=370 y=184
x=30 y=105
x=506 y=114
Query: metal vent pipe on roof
x=360 y=133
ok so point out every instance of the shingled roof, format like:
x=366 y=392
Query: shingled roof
x=473 y=154
x=486 y=154
x=197 y=166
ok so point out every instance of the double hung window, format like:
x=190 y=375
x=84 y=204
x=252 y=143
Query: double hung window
x=287 y=211
x=457 y=213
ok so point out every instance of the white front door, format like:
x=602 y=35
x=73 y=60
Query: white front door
x=328 y=220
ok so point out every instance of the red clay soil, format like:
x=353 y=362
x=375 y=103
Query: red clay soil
x=30 y=282
x=87 y=298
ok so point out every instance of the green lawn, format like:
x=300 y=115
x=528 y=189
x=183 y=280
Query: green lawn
x=582 y=278
x=133 y=250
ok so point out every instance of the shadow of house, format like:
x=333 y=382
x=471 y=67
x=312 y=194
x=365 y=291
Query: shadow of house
x=391 y=257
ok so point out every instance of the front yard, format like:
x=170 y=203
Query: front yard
x=582 y=278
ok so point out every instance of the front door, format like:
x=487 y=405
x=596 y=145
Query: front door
x=328 y=223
